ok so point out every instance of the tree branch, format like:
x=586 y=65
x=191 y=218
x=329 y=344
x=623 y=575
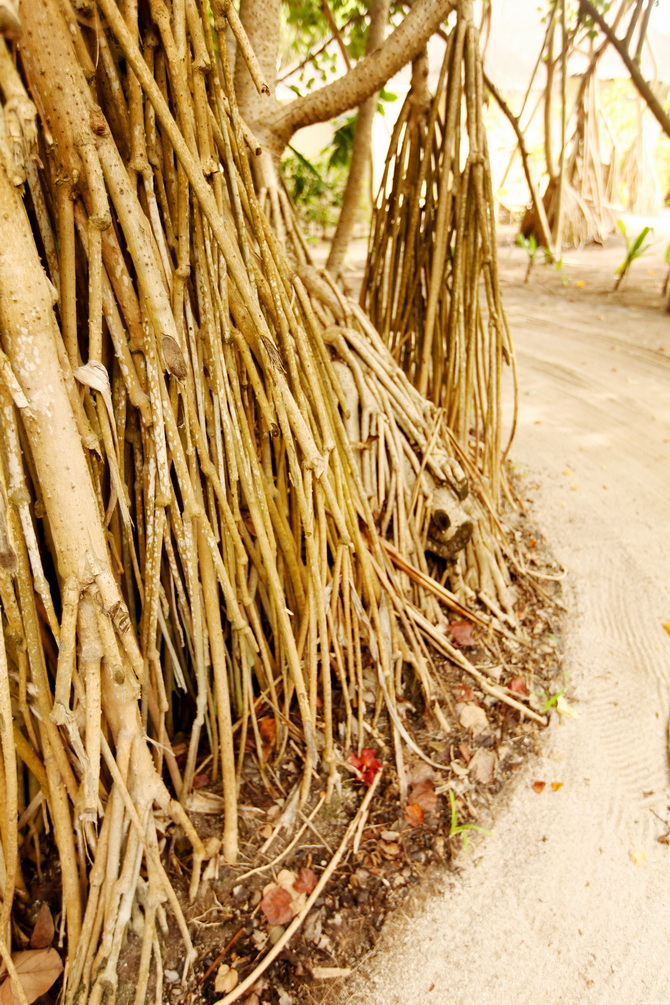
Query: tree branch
x=366 y=77
x=538 y=205
x=654 y=105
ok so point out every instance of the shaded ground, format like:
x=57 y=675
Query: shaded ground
x=569 y=902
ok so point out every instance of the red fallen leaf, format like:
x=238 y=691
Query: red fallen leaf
x=464 y=692
x=518 y=685
x=277 y=905
x=539 y=787
x=366 y=765
x=423 y=794
x=43 y=930
x=461 y=633
x=200 y=781
x=465 y=752
x=37 y=970
x=306 y=881
x=414 y=815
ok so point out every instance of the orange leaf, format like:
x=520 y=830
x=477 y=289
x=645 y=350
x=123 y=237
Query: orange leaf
x=465 y=751
x=518 y=685
x=276 y=905
x=539 y=787
x=556 y=786
x=37 y=970
x=306 y=881
x=267 y=727
x=414 y=815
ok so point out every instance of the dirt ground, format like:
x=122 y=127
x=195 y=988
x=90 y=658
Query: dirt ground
x=568 y=902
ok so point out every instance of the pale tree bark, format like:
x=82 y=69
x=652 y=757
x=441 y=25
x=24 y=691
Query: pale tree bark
x=362 y=149
x=260 y=20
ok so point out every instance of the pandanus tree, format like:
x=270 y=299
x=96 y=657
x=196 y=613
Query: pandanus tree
x=222 y=500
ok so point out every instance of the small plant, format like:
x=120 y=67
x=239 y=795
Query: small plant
x=552 y=700
x=558 y=265
x=634 y=249
x=463 y=829
x=531 y=247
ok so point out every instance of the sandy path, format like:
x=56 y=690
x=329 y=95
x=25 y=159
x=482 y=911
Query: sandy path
x=554 y=909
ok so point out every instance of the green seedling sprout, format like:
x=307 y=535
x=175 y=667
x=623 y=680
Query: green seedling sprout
x=463 y=829
x=634 y=249
x=531 y=247
x=552 y=700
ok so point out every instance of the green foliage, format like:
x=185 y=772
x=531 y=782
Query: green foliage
x=307 y=27
x=635 y=248
x=341 y=147
x=531 y=247
x=316 y=188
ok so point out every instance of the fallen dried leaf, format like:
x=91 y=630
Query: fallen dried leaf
x=326 y=973
x=306 y=881
x=43 y=930
x=37 y=970
x=483 y=765
x=200 y=781
x=174 y=357
x=556 y=786
x=414 y=815
x=563 y=707
x=419 y=771
x=367 y=765
x=204 y=802
x=539 y=787
x=465 y=752
x=424 y=795
x=666 y=625
x=277 y=904
x=287 y=878
x=389 y=848
x=473 y=717
x=226 y=979
x=518 y=685
x=461 y=633
x=253 y=999
x=637 y=857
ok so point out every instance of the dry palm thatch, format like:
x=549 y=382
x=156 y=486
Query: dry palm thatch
x=217 y=485
x=431 y=283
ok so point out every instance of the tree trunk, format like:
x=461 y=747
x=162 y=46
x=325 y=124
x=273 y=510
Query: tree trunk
x=261 y=23
x=362 y=150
